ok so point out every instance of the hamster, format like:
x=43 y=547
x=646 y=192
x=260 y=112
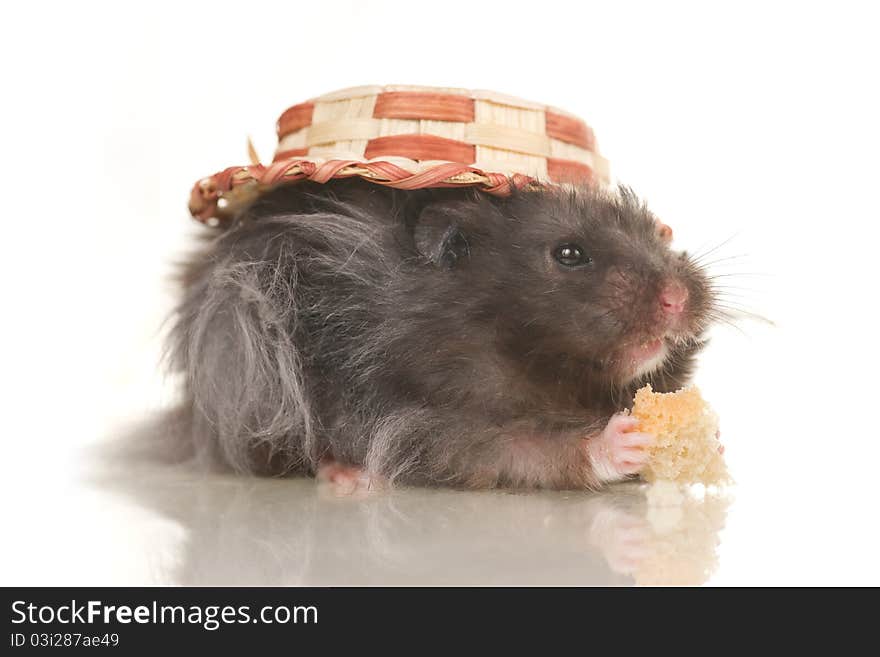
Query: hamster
x=435 y=337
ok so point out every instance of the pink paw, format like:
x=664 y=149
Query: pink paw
x=345 y=479
x=619 y=450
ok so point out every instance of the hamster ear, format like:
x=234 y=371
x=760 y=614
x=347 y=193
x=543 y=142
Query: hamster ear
x=440 y=236
x=664 y=232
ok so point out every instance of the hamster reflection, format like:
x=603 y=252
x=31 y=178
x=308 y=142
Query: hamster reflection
x=296 y=532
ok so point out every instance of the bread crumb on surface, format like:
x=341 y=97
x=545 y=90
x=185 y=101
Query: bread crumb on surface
x=687 y=447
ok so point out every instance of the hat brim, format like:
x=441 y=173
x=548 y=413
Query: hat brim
x=215 y=199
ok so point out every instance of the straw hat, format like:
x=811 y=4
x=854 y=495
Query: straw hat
x=411 y=138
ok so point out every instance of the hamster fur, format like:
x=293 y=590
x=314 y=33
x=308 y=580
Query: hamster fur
x=440 y=337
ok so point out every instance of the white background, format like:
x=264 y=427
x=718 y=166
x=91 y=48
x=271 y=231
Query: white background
x=754 y=122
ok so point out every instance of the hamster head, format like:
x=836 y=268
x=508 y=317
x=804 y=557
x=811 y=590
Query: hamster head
x=576 y=280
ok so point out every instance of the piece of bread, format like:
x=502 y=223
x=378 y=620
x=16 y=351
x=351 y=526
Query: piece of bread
x=687 y=447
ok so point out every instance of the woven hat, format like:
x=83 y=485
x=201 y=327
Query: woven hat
x=412 y=138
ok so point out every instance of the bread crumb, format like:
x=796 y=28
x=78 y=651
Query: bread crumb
x=687 y=447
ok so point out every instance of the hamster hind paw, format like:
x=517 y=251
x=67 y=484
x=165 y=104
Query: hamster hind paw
x=347 y=479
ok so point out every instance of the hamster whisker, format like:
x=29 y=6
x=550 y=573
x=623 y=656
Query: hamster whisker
x=737 y=313
x=698 y=256
x=727 y=261
x=712 y=277
x=727 y=322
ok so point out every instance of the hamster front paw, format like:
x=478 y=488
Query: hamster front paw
x=619 y=450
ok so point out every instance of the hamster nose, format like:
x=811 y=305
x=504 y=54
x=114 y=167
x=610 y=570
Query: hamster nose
x=673 y=297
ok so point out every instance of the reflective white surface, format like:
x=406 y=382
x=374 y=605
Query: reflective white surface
x=154 y=524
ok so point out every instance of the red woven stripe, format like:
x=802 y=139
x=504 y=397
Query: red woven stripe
x=421 y=147
x=428 y=106
x=569 y=171
x=291 y=152
x=294 y=118
x=569 y=130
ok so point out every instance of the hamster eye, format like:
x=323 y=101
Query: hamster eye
x=571 y=255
